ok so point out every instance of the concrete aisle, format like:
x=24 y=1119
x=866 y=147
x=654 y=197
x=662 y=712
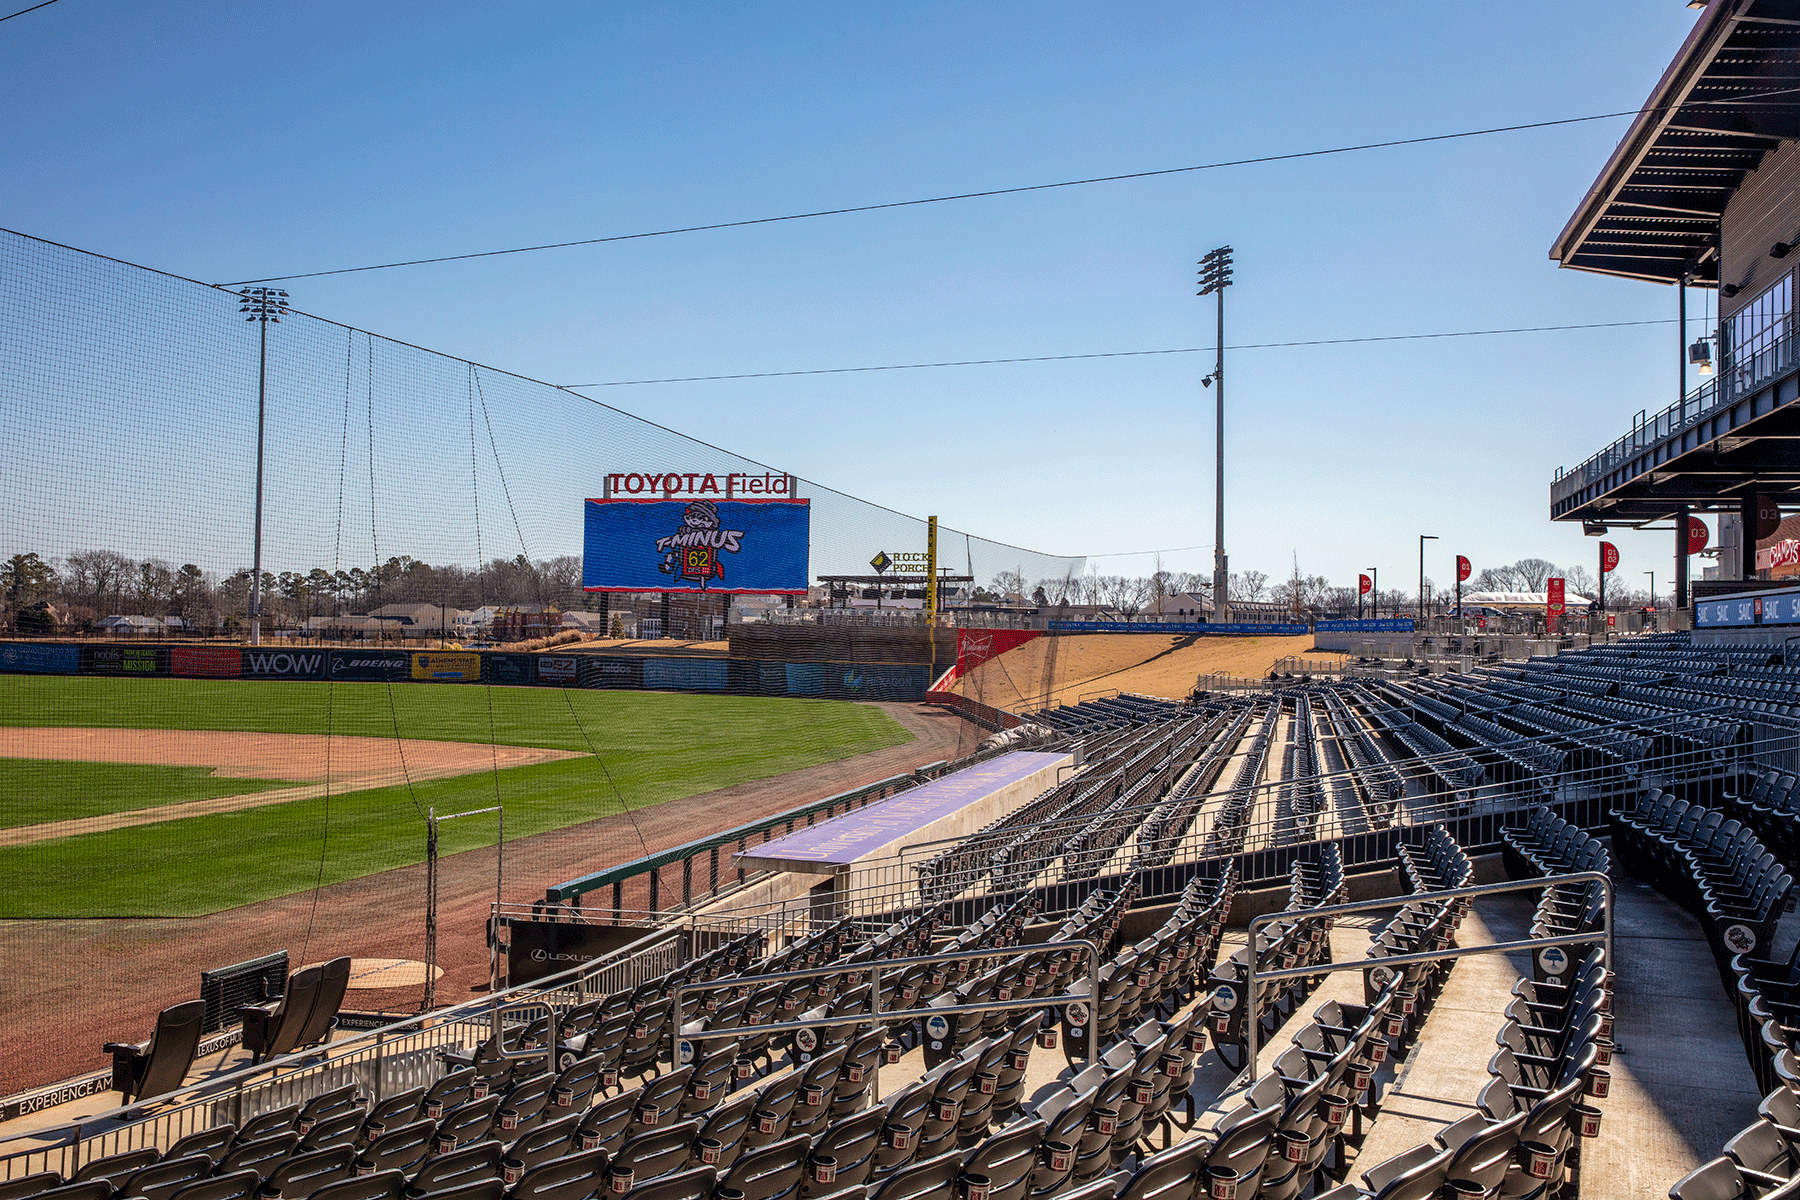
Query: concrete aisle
x=1681 y=1085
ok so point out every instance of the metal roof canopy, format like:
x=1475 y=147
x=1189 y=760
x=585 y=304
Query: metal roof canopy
x=1654 y=212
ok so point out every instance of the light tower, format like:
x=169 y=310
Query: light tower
x=264 y=305
x=1215 y=277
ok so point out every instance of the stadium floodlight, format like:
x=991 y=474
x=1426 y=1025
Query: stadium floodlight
x=1215 y=277
x=1700 y=356
x=267 y=306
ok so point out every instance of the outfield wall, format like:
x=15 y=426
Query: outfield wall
x=742 y=677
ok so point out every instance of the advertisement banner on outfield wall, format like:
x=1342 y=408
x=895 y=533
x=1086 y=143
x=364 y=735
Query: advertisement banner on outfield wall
x=124 y=660
x=562 y=670
x=512 y=669
x=41 y=660
x=596 y=672
x=725 y=546
x=447 y=666
x=282 y=664
x=206 y=662
x=369 y=666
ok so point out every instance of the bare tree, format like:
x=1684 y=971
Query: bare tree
x=1532 y=573
x=1248 y=585
x=1126 y=595
x=1009 y=583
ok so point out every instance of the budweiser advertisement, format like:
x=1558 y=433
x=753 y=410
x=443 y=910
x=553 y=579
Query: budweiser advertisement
x=1553 y=598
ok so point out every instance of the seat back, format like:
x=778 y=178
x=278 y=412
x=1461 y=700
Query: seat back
x=551 y=1140
x=1007 y=1159
x=116 y=1167
x=401 y=1149
x=304 y=1174
x=328 y=997
x=31 y=1185
x=658 y=1151
x=933 y=1179
x=212 y=1142
x=573 y=1177
x=239 y=1185
x=457 y=1169
x=771 y=1173
x=382 y=1185
x=162 y=1180
x=282 y=1030
x=172 y=1048
x=260 y=1155
x=696 y=1184
x=851 y=1145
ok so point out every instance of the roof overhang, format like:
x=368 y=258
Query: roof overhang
x=1731 y=95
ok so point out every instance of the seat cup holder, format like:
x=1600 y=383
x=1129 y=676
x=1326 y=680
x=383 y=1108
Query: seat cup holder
x=986 y=1083
x=824 y=1168
x=975 y=1186
x=1294 y=1144
x=899 y=1137
x=1336 y=1108
x=712 y=1151
x=1059 y=1156
x=511 y=1170
x=363 y=1166
x=1221 y=1183
x=1599 y=1082
x=1540 y=1159
x=445 y=1143
x=1587 y=1120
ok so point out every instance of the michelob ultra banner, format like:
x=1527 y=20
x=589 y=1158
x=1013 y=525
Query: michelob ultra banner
x=696 y=545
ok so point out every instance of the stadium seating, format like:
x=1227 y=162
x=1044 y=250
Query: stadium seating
x=159 y=1065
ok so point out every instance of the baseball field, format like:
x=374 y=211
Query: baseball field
x=168 y=797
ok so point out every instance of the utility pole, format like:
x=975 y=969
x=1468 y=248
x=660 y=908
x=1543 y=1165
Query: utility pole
x=1423 y=538
x=1215 y=277
x=265 y=305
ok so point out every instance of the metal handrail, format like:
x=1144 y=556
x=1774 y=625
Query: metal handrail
x=1252 y=1022
x=237 y=1081
x=875 y=1015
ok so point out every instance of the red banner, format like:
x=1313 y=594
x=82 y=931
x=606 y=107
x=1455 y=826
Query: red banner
x=1462 y=569
x=1553 y=598
x=1698 y=535
x=1363 y=584
x=206 y=662
x=976 y=646
x=1609 y=557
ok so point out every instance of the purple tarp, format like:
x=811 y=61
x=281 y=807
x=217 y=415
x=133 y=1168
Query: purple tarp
x=842 y=840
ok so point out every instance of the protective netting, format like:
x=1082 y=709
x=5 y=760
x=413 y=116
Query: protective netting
x=397 y=483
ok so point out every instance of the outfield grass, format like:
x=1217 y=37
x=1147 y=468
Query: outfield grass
x=647 y=747
x=35 y=790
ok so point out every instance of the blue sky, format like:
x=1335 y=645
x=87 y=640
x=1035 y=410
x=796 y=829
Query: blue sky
x=228 y=141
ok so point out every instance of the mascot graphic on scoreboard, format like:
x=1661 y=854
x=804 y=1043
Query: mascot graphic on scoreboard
x=691 y=554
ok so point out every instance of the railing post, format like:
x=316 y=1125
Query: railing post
x=687 y=879
x=618 y=901
x=655 y=882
